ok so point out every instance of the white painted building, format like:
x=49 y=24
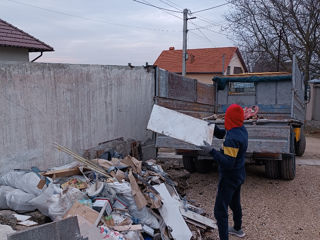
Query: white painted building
x=15 y=44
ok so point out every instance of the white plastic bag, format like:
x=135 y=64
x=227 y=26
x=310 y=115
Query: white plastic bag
x=132 y=235
x=15 y=199
x=41 y=202
x=59 y=204
x=25 y=181
x=19 y=200
x=3 y=193
x=143 y=215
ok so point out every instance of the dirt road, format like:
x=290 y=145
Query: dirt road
x=312 y=147
x=272 y=209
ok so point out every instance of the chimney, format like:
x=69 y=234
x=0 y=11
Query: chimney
x=171 y=48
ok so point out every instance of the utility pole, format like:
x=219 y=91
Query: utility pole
x=184 y=41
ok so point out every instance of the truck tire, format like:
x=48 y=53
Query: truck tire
x=272 y=169
x=188 y=163
x=300 y=146
x=203 y=165
x=288 y=163
x=288 y=167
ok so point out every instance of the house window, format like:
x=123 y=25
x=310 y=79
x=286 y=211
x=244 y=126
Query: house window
x=242 y=88
x=237 y=70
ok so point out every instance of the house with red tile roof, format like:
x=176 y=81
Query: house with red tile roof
x=204 y=63
x=16 y=44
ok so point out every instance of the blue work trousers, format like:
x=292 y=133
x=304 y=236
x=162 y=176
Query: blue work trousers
x=228 y=195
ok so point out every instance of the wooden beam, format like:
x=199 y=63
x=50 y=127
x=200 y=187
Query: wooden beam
x=124 y=228
x=62 y=173
x=183 y=105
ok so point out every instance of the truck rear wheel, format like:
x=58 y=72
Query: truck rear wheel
x=272 y=169
x=300 y=146
x=288 y=163
x=288 y=167
x=188 y=163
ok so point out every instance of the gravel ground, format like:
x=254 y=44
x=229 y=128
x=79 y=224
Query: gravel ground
x=272 y=209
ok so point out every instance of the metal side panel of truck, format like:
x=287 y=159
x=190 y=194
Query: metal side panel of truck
x=275 y=139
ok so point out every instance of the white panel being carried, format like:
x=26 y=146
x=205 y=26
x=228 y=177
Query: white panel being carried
x=180 y=126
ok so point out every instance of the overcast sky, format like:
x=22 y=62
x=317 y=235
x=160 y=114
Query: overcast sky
x=115 y=32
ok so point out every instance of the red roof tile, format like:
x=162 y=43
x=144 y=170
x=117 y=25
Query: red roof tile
x=11 y=36
x=203 y=60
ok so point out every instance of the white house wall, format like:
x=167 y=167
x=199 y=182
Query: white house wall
x=235 y=62
x=13 y=54
x=77 y=106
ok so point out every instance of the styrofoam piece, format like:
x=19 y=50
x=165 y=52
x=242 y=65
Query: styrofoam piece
x=27 y=223
x=21 y=217
x=180 y=126
x=170 y=212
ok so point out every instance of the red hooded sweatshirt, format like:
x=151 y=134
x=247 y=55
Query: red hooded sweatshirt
x=234 y=117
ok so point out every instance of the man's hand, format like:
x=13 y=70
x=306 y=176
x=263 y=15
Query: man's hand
x=206 y=148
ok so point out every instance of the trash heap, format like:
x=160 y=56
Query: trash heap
x=121 y=198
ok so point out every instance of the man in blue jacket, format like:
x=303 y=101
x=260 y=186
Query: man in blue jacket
x=231 y=162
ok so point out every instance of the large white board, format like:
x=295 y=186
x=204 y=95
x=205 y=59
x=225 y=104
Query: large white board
x=180 y=126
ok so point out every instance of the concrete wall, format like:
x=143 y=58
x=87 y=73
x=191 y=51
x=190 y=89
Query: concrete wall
x=13 y=54
x=77 y=106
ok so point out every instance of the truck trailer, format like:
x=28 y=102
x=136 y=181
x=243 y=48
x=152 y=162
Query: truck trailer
x=276 y=136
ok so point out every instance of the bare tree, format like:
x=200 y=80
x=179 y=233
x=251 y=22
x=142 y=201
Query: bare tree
x=273 y=31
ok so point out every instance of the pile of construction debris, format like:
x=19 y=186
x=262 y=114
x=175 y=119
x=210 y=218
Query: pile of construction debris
x=120 y=198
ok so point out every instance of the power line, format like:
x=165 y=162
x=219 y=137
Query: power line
x=173 y=15
x=89 y=19
x=170 y=5
x=174 y=4
x=165 y=11
x=209 y=29
x=206 y=9
x=198 y=35
x=151 y=5
x=207 y=21
x=204 y=35
x=201 y=27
